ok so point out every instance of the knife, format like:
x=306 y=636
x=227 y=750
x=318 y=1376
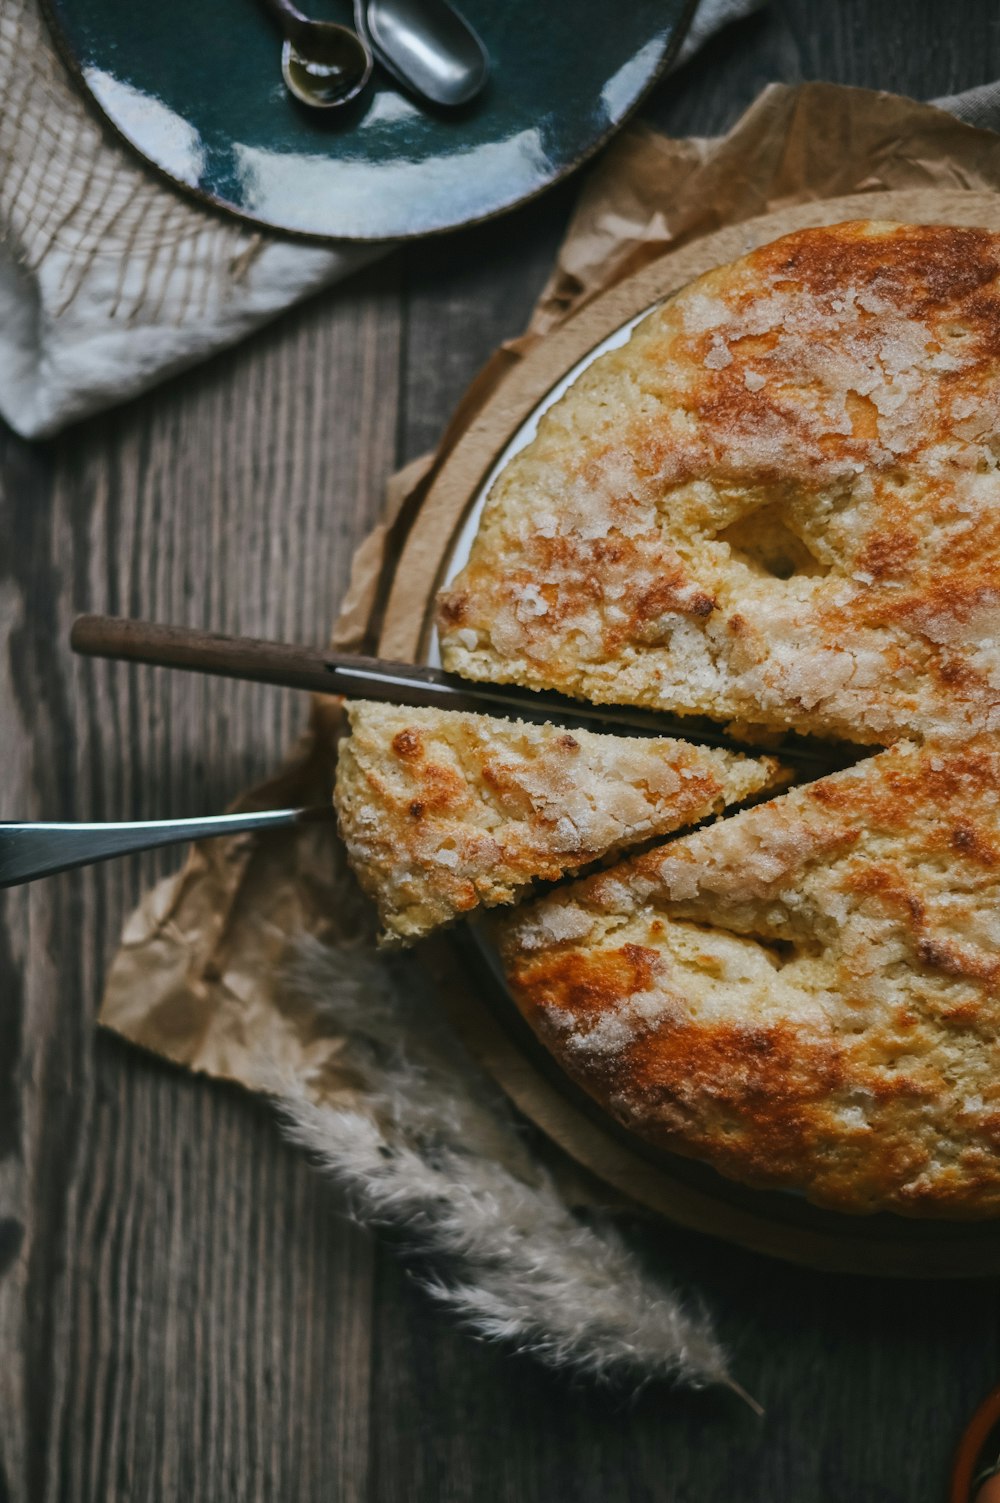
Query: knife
x=326 y=672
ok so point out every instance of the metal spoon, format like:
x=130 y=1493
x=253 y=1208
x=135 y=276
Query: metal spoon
x=28 y=851
x=427 y=46
x=324 y=65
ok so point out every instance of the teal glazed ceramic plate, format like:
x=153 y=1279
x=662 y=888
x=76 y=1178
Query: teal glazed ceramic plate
x=196 y=88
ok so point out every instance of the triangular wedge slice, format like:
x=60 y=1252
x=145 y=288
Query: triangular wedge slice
x=807 y=994
x=441 y=811
x=778 y=503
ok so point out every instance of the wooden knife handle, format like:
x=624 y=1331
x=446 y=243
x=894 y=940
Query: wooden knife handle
x=202 y=652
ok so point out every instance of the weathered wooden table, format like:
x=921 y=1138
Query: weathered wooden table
x=185 y=1310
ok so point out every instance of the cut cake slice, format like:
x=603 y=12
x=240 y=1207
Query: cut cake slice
x=442 y=811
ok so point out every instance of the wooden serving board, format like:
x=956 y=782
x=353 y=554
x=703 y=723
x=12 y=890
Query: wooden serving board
x=693 y=1195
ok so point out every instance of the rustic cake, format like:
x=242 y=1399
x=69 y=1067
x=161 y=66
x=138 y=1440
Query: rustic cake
x=778 y=504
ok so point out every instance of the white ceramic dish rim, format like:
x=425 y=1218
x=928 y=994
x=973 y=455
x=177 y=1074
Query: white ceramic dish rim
x=462 y=546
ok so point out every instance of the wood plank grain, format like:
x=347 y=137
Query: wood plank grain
x=184 y=1312
x=186 y=1307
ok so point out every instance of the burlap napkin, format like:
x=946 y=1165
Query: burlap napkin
x=374 y=1085
x=110 y=280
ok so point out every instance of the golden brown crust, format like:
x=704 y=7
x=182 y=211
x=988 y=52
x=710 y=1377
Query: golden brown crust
x=442 y=811
x=807 y=994
x=779 y=502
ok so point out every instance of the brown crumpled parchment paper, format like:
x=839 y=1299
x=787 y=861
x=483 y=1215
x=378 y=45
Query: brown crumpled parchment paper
x=197 y=977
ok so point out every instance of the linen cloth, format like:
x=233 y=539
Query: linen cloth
x=110 y=280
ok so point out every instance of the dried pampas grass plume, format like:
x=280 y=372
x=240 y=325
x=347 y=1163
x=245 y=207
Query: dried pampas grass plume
x=437 y=1153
